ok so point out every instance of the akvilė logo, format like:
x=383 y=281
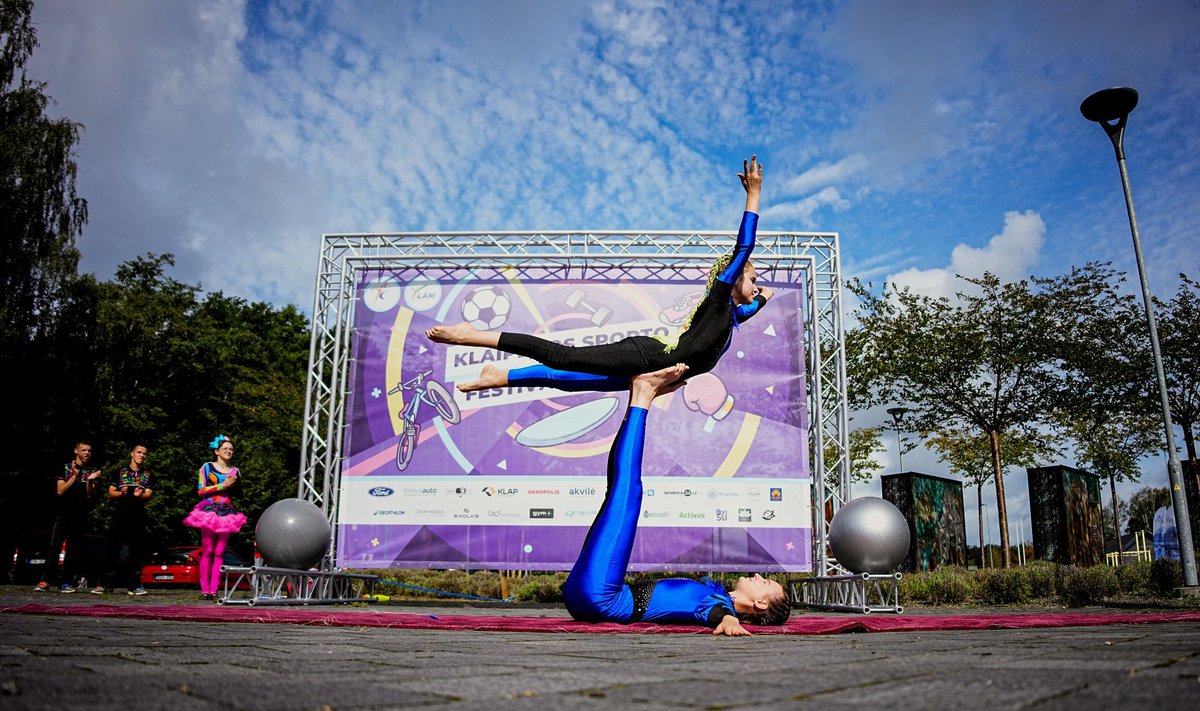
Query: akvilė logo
x=380 y=491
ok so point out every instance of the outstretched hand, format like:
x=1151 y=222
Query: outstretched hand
x=751 y=175
x=730 y=627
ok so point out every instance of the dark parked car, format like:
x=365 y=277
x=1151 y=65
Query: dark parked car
x=181 y=566
x=33 y=549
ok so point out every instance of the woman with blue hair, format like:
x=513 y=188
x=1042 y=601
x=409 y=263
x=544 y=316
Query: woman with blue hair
x=215 y=515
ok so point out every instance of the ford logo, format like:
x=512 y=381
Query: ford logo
x=380 y=491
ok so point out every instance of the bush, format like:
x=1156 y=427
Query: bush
x=1165 y=576
x=1005 y=586
x=1043 y=579
x=542 y=588
x=1087 y=586
x=947 y=585
x=1134 y=578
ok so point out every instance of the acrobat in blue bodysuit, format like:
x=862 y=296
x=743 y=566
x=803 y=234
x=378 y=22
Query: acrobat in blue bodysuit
x=596 y=590
x=608 y=367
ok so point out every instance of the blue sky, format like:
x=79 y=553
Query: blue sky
x=937 y=137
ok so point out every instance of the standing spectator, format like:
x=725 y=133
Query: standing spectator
x=76 y=487
x=215 y=515
x=130 y=489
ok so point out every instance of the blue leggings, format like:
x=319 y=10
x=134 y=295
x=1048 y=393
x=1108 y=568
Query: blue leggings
x=596 y=590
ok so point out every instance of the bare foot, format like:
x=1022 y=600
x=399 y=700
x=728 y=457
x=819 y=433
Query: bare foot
x=462 y=334
x=647 y=386
x=490 y=377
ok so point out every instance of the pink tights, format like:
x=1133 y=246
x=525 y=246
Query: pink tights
x=212 y=554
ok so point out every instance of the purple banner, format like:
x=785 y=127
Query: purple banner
x=513 y=477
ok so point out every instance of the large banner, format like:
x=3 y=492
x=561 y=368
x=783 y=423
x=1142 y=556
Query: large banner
x=513 y=477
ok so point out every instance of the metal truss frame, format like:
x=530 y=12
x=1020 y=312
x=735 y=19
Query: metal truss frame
x=863 y=593
x=808 y=259
x=284 y=586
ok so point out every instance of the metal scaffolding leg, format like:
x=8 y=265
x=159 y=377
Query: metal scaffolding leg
x=284 y=586
x=862 y=592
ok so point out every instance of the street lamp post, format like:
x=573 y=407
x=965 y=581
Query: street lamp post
x=982 y=535
x=1110 y=108
x=897 y=414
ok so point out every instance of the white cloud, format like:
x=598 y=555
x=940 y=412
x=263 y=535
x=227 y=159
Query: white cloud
x=1009 y=255
x=803 y=210
x=826 y=174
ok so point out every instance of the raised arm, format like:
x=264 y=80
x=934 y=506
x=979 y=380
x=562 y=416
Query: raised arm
x=751 y=178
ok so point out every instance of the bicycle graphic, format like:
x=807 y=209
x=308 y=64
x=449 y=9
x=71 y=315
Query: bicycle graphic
x=433 y=393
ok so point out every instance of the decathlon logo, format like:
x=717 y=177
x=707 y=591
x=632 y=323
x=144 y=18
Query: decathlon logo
x=381 y=491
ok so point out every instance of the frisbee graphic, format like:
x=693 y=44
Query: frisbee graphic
x=568 y=425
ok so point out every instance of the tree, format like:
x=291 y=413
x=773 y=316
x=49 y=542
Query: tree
x=1179 y=337
x=40 y=217
x=1108 y=410
x=156 y=363
x=1142 y=505
x=865 y=443
x=988 y=363
x=969 y=455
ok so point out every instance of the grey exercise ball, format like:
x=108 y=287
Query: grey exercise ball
x=292 y=533
x=869 y=535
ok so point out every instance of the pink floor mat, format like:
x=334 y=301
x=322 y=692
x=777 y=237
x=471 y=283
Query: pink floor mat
x=799 y=624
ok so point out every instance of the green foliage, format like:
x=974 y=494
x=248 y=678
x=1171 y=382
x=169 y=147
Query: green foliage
x=151 y=360
x=1088 y=586
x=1165 y=576
x=947 y=585
x=1179 y=338
x=1142 y=505
x=542 y=588
x=40 y=218
x=1134 y=578
x=1043 y=579
x=1004 y=586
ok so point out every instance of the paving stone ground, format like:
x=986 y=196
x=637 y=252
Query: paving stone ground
x=54 y=662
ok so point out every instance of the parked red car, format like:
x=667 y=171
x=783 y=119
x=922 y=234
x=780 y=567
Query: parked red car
x=181 y=566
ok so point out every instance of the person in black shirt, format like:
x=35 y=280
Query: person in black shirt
x=76 y=487
x=130 y=489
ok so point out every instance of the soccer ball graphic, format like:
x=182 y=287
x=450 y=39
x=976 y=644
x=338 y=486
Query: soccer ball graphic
x=486 y=308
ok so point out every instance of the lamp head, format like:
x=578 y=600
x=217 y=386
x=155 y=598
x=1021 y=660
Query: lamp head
x=1109 y=105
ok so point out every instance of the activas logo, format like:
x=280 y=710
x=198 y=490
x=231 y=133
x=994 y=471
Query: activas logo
x=692 y=515
x=380 y=491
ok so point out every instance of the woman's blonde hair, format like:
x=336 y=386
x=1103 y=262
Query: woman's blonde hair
x=713 y=272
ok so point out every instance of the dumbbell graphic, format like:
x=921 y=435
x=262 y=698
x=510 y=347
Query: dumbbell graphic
x=599 y=316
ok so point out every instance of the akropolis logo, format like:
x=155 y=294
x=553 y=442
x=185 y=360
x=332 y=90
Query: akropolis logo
x=538 y=492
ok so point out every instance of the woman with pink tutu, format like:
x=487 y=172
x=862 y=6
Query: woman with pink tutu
x=215 y=515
